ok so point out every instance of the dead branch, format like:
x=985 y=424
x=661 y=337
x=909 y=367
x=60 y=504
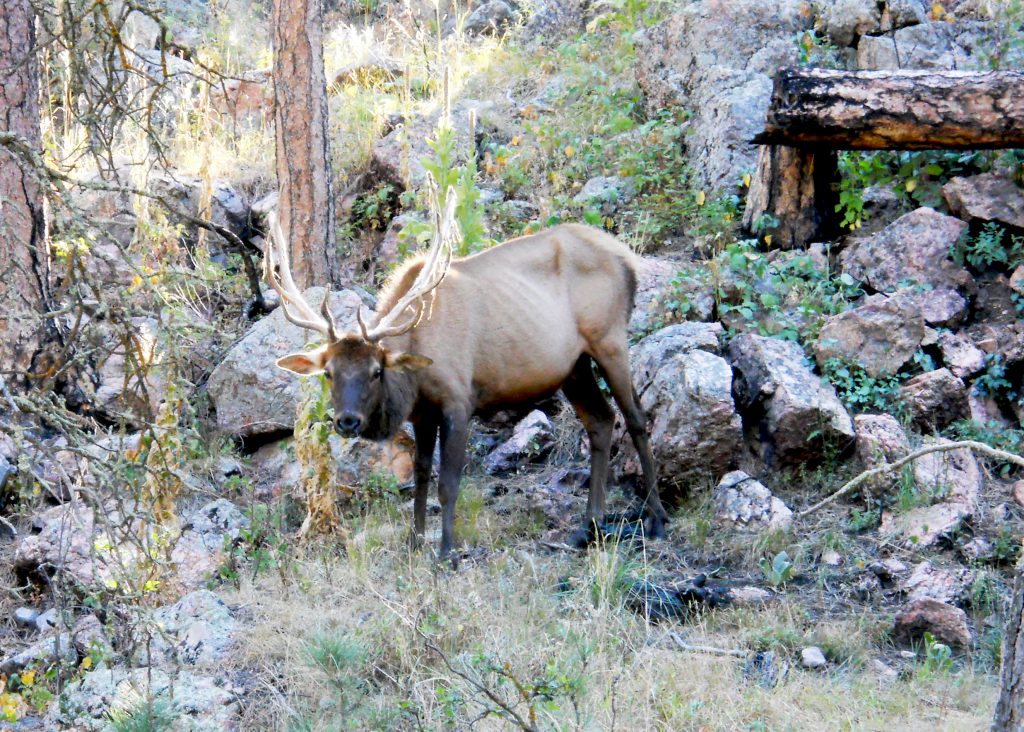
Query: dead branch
x=852 y=485
x=691 y=648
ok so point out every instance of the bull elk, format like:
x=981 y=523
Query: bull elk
x=454 y=337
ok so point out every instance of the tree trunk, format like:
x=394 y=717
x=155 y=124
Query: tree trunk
x=1009 y=716
x=905 y=110
x=24 y=255
x=306 y=206
x=791 y=195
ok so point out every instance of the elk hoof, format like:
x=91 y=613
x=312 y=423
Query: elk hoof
x=654 y=527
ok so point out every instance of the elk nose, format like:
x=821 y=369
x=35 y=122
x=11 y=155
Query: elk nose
x=348 y=423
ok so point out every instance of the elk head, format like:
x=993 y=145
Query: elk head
x=372 y=388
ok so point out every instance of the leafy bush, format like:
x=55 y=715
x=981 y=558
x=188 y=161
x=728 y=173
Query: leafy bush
x=860 y=391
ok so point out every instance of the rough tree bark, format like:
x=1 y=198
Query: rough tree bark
x=794 y=187
x=904 y=110
x=306 y=206
x=24 y=251
x=1009 y=715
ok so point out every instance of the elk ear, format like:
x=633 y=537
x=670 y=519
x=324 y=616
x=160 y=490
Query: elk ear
x=306 y=364
x=406 y=361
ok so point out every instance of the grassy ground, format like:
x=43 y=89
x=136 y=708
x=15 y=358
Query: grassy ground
x=365 y=634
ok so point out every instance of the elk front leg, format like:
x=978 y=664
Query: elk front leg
x=426 y=439
x=454 y=436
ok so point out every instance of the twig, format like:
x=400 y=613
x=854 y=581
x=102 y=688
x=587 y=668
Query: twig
x=691 y=648
x=852 y=485
x=495 y=699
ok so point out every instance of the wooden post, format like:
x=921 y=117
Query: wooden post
x=792 y=196
x=1009 y=715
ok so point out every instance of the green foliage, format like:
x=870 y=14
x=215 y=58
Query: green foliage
x=154 y=715
x=864 y=520
x=862 y=392
x=374 y=209
x=629 y=15
x=1006 y=48
x=938 y=658
x=260 y=546
x=817 y=50
x=779 y=570
x=916 y=177
x=992 y=247
x=985 y=593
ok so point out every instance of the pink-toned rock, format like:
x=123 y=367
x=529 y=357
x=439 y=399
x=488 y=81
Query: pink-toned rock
x=913 y=250
x=1018 y=492
x=880 y=335
x=986 y=197
x=742 y=501
x=936 y=399
x=926 y=615
x=960 y=355
x=945 y=585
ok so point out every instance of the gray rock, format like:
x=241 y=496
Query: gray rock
x=649 y=355
x=687 y=395
x=942 y=307
x=749 y=595
x=812 y=657
x=659 y=288
x=196 y=703
x=520 y=210
x=408 y=143
x=197 y=630
x=924 y=46
x=913 y=250
x=491 y=17
x=978 y=549
x=90 y=638
x=41 y=654
x=607 y=192
x=249 y=393
x=936 y=399
x=741 y=500
x=802 y=414
x=946 y=623
x=532 y=438
x=48 y=620
x=26 y=617
x=960 y=355
x=717 y=60
x=986 y=197
x=879 y=335
x=889 y=569
x=845 y=21
x=199 y=551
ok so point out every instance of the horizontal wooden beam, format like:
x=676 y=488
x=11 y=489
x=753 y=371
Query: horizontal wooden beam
x=896 y=110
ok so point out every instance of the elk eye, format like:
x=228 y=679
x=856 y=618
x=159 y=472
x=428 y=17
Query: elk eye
x=327 y=375
x=377 y=372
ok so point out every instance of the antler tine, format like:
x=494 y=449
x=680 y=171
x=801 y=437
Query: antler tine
x=278 y=274
x=325 y=310
x=431 y=274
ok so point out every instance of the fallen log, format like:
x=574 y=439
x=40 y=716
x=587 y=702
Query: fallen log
x=896 y=110
x=815 y=112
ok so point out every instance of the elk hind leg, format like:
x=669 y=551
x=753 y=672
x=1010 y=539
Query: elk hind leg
x=596 y=414
x=614 y=362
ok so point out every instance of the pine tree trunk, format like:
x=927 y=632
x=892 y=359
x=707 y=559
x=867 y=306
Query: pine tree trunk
x=24 y=255
x=306 y=206
x=1009 y=716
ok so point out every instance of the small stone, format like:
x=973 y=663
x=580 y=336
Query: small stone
x=812 y=657
x=1017 y=280
x=978 y=549
x=1018 y=492
x=936 y=399
x=886 y=674
x=47 y=620
x=960 y=355
x=26 y=616
x=945 y=585
x=888 y=569
x=608 y=192
x=831 y=558
x=750 y=595
x=739 y=499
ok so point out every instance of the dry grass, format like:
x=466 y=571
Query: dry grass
x=558 y=619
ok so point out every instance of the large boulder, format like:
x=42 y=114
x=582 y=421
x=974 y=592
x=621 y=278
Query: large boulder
x=799 y=413
x=197 y=630
x=686 y=392
x=880 y=440
x=663 y=294
x=846 y=21
x=936 y=399
x=532 y=438
x=928 y=615
x=986 y=197
x=879 y=335
x=250 y=394
x=717 y=59
x=913 y=250
x=934 y=45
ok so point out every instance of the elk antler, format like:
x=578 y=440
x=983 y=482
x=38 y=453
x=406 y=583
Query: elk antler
x=278 y=272
x=432 y=273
